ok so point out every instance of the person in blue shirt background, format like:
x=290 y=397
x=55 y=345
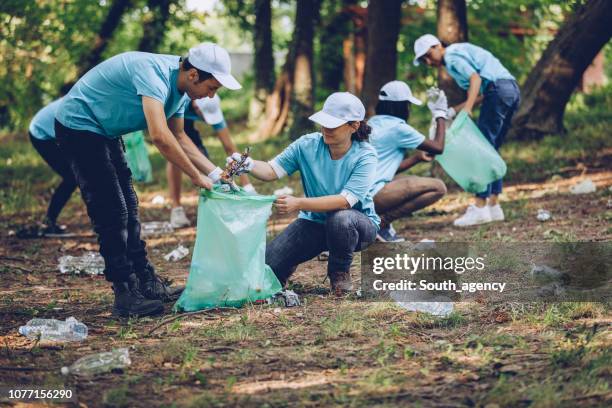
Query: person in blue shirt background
x=337 y=167
x=397 y=197
x=42 y=137
x=479 y=72
x=208 y=110
x=128 y=92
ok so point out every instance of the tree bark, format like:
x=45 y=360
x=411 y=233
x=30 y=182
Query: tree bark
x=452 y=28
x=302 y=102
x=154 y=27
x=264 y=58
x=384 y=21
x=556 y=75
x=110 y=24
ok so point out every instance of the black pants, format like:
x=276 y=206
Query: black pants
x=105 y=181
x=51 y=154
x=194 y=135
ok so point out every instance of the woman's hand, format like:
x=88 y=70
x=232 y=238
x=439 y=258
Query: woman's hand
x=424 y=156
x=286 y=204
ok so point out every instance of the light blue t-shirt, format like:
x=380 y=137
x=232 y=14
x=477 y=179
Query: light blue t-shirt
x=108 y=99
x=391 y=137
x=42 y=126
x=463 y=59
x=353 y=174
x=191 y=114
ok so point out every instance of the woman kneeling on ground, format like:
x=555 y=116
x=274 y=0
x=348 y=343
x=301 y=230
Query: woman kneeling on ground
x=337 y=168
x=398 y=197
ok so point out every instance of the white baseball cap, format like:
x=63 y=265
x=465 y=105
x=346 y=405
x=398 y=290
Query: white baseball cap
x=211 y=58
x=338 y=109
x=397 y=91
x=422 y=45
x=211 y=109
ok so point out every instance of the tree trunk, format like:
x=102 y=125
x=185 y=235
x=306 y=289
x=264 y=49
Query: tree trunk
x=354 y=50
x=452 y=28
x=264 y=58
x=384 y=20
x=154 y=27
x=302 y=103
x=110 y=24
x=554 y=78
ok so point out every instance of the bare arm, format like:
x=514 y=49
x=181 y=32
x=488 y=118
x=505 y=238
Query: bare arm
x=435 y=146
x=168 y=146
x=287 y=204
x=472 y=93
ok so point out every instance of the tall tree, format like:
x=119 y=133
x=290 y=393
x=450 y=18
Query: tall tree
x=108 y=27
x=154 y=26
x=452 y=28
x=556 y=75
x=264 y=58
x=302 y=102
x=384 y=21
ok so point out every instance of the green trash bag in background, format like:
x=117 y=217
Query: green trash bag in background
x=137 y=157
x=468 y=157
x=228 y=264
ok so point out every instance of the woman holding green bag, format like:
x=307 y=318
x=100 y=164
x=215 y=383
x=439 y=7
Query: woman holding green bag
x=338 y=169
x=477 y=71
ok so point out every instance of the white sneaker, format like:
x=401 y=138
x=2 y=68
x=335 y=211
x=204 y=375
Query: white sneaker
x=473 y=216
x=178 y=218
x=497 y=214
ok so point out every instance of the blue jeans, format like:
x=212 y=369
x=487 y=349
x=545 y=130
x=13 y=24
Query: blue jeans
x=501 y=100
x=343 y=233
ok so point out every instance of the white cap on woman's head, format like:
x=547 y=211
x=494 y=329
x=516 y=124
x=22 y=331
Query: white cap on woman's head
x=397 y=91
x=338 y=109
x=422 y=45
x=213 y=59
x=211 y=109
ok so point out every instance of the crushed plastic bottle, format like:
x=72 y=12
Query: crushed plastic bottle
x=417 y=302
x=286 y=298
x=55 y=330
x=90 y=263
x=543 y=215
x=586 y=186
x=158 y=200
x=99 y=363
x=155 y=228
x=177 y=254
x=286 y=190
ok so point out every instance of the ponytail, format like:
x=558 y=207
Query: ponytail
x=362 y=133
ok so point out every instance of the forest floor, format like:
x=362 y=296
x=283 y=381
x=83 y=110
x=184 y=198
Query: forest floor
x=329 y=351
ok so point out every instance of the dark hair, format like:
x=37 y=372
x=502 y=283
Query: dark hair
x=66 y=88
x=399 y=109
x=202 y=75
x=362 y=133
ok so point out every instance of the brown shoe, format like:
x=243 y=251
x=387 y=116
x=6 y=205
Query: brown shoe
x=341 y=283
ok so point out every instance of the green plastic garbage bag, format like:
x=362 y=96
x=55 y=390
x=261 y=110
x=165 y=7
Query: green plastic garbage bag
x=468 y=157
x=137 y=157
x=228 y=264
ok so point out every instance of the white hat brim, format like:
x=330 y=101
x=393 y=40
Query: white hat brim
x=414 y=100
x=228 y=81
x=327 y=120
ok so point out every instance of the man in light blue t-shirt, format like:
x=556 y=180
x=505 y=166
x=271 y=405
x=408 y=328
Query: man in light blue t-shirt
x=392 y=137
x=129 y=92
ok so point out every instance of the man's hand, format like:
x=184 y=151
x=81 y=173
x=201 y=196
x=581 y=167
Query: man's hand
x=202 y=181
x=287 y=204
x=424 y=156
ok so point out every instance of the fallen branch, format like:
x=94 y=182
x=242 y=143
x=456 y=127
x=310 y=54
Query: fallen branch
x=178 y=316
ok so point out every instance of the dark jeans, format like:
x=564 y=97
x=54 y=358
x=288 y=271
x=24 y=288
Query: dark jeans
x=501 y=100
x=105 y=181
x=194 y=135
x=343 y=233
x=51 y=154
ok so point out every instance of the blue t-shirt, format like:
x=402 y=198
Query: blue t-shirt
x=464 y=59
x=351 y=175
x=391 y=137
x=108 y=99
x=42 y=126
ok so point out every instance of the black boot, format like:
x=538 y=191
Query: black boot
x=130 y=302
x=153 y=287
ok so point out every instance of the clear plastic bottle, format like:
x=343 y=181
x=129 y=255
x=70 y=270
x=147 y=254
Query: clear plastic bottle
x=155 y=228
x=55 y=330
x=423 y=302
x=99 y=363
x=90 y=263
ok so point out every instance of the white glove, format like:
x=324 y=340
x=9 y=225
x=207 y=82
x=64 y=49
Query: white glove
x=451 y=113
x=246 y=167
x=439 y=106
x=249 y=188
x=215 y=175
